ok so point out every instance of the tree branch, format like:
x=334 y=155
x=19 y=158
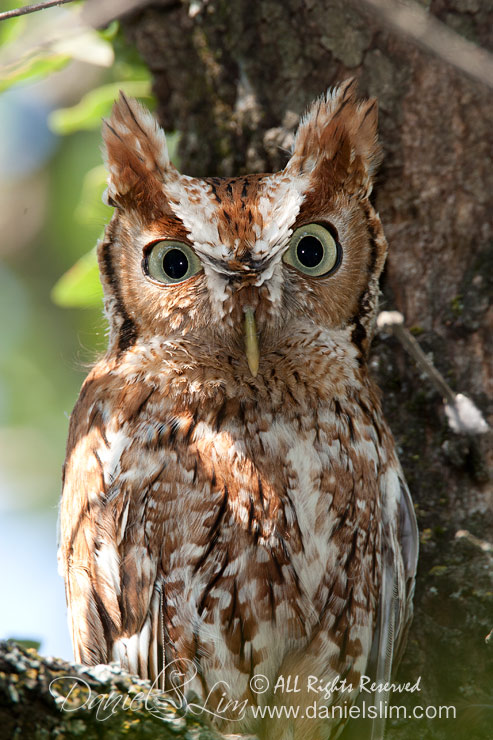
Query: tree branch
x=412 y=20
x=42 y=696
x=16 y=12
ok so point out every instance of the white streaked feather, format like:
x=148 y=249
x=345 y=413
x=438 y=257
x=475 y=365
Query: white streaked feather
x=127 y=651
x=110 y=455
x=123 y=523
x=144 y=642
x=107 y=561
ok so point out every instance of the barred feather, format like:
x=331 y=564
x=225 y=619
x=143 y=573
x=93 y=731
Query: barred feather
x=217 y=524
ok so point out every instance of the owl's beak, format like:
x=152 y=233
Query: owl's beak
x=251 y=341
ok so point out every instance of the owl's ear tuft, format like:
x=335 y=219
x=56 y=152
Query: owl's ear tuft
x=135 y=153
x=340 y=133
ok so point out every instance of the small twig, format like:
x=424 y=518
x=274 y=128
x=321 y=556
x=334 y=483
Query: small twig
x=64 y=27
x=16 y=12
x=464 y=534
x=394 y=321
x=462 y=414
x=412 y=20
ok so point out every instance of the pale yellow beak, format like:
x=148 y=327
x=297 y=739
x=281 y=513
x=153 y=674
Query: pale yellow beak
x=251 y=342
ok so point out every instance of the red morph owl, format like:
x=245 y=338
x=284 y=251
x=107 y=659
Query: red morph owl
x=233 y=505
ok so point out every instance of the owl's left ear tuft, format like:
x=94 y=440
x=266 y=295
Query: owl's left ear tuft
x=135 y=152
x=340 y=133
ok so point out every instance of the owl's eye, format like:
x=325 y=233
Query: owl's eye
x=313 y=251
x=171 y=262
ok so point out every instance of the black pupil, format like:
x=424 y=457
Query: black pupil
x=175 y=264
x=310 y=251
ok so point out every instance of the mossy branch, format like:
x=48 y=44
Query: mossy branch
x=42 y=698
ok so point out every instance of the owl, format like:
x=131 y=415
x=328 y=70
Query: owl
x=234 y=518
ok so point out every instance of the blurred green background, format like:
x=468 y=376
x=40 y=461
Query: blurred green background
x=57 y=79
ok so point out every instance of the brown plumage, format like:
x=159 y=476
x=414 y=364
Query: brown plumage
x=232 y=503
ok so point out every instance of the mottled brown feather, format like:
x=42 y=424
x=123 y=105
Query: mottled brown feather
x=233 y=523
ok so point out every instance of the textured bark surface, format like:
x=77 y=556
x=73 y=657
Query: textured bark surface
x=46 y=698
x=233 y=78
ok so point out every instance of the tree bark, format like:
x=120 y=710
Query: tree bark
x=233 y=78
x=45 y=698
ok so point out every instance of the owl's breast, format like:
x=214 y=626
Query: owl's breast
x=243 y=538
x=273 y=541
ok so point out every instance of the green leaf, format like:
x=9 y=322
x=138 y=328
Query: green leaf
x=87 y=114
x=110 y=32
x=12 y=28
x=32 y=69
x=91 y=208
x=80 y=287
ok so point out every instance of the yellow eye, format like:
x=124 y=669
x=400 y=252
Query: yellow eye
x=171 y=262
x=313 y=251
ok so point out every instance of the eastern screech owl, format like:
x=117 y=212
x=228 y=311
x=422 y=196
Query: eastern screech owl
x=232 y=503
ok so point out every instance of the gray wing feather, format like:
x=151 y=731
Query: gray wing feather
x=395 y=604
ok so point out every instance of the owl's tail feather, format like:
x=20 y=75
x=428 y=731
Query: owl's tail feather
x=143 y=653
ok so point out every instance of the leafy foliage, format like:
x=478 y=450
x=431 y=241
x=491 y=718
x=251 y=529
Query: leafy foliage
x=87 y=114
x=52 y=215
x=33 y=52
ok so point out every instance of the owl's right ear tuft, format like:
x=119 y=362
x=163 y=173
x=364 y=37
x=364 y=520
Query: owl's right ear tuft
x=135 y=153
x=338 y=134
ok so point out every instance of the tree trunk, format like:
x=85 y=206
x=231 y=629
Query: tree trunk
x=233 y=78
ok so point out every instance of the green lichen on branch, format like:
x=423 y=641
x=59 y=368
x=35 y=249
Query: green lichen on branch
x=44 y=698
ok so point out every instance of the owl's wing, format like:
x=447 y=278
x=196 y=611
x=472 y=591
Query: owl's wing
x=108 y=551
x=395 y=609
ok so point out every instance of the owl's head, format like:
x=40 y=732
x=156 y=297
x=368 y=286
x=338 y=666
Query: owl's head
x=252 y=271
